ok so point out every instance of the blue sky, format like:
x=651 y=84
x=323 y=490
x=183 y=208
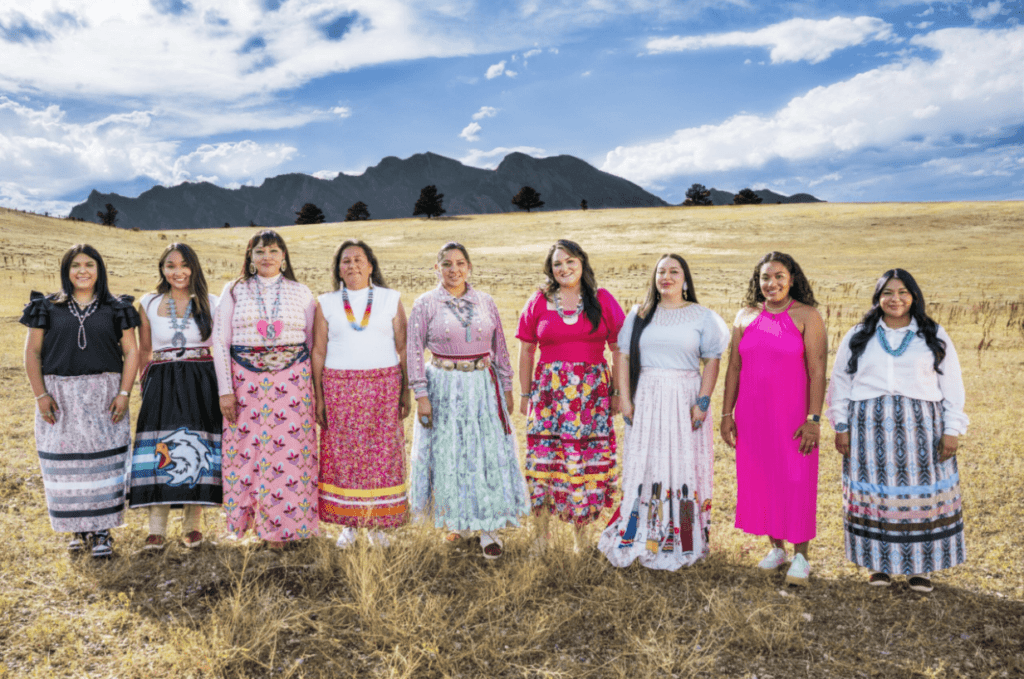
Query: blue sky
x=850 y=101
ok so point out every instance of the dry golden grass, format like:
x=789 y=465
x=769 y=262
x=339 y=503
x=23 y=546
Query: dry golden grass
x=422 y=609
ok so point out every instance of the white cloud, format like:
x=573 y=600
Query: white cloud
x=471 y=132
x=485 y=112
x=40 y=148
x=553 y=50
x=532 y=53
x=510 y=73
x=585 y=74
x=342 y=111
x=495 y=70
x=972 y=88
x=989 y=11
x=326 y=174
x=831 y=177
x=490 y=159
x=921 y=26
x=793 y=40
x=927 y=12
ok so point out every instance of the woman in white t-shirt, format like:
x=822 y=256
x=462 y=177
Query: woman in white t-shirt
x=896 y=403
x=177 y=455
x=360 y=384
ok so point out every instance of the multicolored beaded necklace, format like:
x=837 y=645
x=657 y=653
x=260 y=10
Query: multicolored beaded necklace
x=885 y=342
x=358 y=327
x=572 y=317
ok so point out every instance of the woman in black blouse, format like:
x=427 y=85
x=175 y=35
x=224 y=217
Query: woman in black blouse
x=81 y=360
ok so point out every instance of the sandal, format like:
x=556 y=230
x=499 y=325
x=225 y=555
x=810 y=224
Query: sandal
x=193 y=539
x=154 y=543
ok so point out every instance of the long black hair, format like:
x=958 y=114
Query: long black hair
x=376 y=277
x=67 y=288
x=645 y=315
x=926 y=326
x=588 y=284
x=197 y=288
x=799 y=289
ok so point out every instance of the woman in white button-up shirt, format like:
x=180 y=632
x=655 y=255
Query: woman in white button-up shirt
x=897 y=406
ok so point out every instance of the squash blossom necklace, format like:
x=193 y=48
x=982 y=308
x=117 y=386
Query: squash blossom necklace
x=270 y=325
x=178 y=340
x=350 y=315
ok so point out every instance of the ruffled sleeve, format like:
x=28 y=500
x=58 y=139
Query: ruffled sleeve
x=37 y=312
x=612 y=313
x=714 y=336
x=126 y=316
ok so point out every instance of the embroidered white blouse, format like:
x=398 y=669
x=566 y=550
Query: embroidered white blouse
x=677 y=338
x=239 y=313
x=912 y=374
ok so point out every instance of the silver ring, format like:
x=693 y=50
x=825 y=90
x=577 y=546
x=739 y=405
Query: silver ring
x=424 y=419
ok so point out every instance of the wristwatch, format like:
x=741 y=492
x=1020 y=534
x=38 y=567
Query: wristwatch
x=814 y=418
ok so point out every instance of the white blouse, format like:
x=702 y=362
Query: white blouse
x=367 y=349
x=677 y=338
x=161 y=331
x=912 y=374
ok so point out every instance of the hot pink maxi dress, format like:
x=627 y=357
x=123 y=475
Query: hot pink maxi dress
x=776 y=486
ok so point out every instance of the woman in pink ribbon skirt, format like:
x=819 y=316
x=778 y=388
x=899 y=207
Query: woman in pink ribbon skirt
x=776 y=382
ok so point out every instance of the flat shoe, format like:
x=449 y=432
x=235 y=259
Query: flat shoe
x=154 y=543
x=879 y=580
x=799 y=571
x=774 y=559
x=490 y=545
x=919 y=583
x=193 y=539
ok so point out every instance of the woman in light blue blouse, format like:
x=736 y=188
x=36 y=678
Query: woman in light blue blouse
x=666 y=489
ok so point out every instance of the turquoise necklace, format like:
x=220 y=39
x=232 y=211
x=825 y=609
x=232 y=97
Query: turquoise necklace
x=899 y=351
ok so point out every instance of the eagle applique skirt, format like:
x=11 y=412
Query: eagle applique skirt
x=177 y=454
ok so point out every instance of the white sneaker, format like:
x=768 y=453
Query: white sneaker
x=347 y=537
x=775 y=558
x=378 y=538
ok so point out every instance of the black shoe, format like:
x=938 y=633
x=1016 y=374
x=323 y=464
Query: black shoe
x=103 y=545
x=80 y=542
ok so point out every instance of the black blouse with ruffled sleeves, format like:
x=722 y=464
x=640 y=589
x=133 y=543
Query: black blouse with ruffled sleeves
x=61 y=355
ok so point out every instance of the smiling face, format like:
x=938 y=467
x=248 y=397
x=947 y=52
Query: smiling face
x=84 y=273
x=567 y=268
x=176 y=271
x=454 y=269
x=670 y=279
x=895 y=301
x=775 y=281
x=354 y=268
x=267 y=257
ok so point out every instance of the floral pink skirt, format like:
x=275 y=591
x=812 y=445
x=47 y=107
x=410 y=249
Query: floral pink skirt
x=570 y=461
x=362 y=451
x=269 y=466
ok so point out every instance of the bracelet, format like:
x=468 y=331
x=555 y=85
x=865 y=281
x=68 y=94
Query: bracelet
x=42 y=395
x=725 y=415
x=704 y=402
x=841 y=428
x=814 y=418
x=613 y=392
x=522 y=395
x=122 y=393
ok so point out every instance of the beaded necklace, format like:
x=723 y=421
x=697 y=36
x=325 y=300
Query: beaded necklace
x=350 y=315
x=570 y=318
x=269 y=325
x=457 y=306
x=885 y=342
x=81 y=314
x=178 y=340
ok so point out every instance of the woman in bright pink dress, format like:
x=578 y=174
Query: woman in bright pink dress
x=776 y=382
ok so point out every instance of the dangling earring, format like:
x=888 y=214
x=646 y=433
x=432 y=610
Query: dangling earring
x=685 y=286
x=284 y=265
x=252 y=268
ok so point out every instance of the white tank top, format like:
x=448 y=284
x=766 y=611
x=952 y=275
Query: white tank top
x=160 y=330
x=369 y=349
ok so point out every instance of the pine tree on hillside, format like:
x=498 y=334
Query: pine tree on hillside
x=310 y=214
x=527 y=199
x=746 y=197
x=429 y=203
x=108 y=218
x=697 y=194
x=358 y=212
x=583 y=204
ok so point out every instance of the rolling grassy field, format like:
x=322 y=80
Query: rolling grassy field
x=423 y=609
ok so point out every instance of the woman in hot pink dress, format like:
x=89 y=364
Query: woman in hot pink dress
x=571 y=467
x=776 y=382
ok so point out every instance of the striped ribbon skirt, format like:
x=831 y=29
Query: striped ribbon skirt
x=903 y=512
x=83 y=454
x=362 y=450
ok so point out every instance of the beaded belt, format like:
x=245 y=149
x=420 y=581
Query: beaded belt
x=185 y=354
x=466 y=365
x=469 y=364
